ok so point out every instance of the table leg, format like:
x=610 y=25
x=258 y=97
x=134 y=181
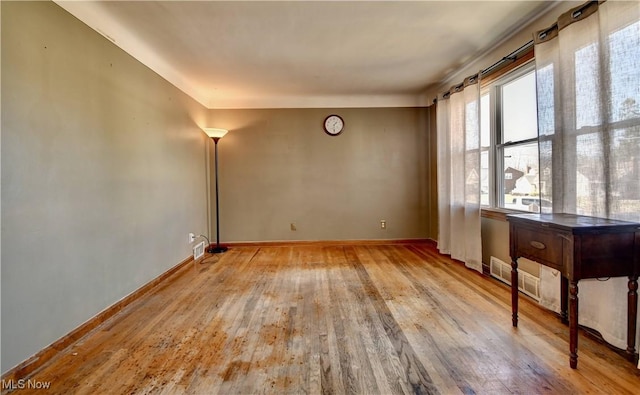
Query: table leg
x=514 y=292
x=564 y=290
x=632 y=314
x=573 y=324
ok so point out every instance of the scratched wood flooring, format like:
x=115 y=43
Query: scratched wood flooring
x=315 y=319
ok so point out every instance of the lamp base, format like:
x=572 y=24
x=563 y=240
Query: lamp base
x=217 y=250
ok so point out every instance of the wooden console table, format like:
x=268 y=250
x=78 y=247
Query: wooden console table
x=579 y=247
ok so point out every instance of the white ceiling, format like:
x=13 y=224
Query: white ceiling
x=263 y=54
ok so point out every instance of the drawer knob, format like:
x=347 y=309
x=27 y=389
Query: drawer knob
x=538 y=245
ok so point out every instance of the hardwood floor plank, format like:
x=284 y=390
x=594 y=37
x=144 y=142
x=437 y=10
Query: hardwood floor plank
x=390 y=273
x=332 y=319
x=329 y=357
x=384 y=272
x=361 y=340
x=346 y=351
x=480 y=333
x=416 y=374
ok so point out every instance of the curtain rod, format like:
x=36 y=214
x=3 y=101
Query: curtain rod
x=512 y=57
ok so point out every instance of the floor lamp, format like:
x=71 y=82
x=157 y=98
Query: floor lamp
x=216 y=135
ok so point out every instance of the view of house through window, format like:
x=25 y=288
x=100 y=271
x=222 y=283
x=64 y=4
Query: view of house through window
x=509 y=144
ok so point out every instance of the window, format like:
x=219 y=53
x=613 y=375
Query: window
x=509 y=143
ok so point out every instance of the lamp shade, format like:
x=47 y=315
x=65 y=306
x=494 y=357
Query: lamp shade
x=215 y=132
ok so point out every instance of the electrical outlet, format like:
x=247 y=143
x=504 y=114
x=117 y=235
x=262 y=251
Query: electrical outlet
x=192 y=237
x=293 y=227
x=383 y=224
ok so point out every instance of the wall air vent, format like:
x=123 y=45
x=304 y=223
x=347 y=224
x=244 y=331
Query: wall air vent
x=198 y=251
x=527 y=283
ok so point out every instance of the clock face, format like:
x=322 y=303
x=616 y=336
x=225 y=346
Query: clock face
x=333 y=125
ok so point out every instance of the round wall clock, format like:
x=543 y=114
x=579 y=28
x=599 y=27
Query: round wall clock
x=333 y=125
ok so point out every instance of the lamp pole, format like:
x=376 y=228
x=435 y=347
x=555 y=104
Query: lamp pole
x=217 y=249
x=216 y=135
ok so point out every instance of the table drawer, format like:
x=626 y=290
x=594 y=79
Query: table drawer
x=605 y=255
x=540 y=245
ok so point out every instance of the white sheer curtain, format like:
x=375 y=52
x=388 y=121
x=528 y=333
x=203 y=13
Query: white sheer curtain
x=588 y=77
x=458 y=129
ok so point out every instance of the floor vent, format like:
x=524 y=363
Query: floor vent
x=198 y=250
x=527 y=283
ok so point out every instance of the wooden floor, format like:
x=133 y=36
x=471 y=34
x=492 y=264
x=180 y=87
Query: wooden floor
x=333 y=319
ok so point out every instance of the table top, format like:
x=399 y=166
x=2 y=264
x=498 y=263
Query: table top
x=574 y=222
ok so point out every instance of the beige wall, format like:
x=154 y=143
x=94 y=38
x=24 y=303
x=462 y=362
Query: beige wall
x=278 y=167
x=103 y=175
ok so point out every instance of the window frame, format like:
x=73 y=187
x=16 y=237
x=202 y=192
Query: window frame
x=494 y=88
